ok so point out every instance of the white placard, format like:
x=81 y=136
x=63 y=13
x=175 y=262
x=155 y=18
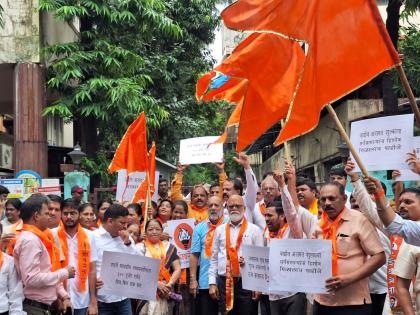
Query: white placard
x=200 y=150
x=126 y=191
x=383 y=143
x=50 y=186
x=255 y=272
x=128 y=275
x=15 y=187
x=299 y=265
x=180 y=234
x=408 y=175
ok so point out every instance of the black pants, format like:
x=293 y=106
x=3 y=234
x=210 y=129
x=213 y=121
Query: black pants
x=243 y=304
x=265 y=305
x=364 y=309
x=378 y=301
x=207 y=306
x=292 y=305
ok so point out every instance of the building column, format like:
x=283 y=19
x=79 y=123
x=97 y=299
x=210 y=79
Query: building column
x=30 y=128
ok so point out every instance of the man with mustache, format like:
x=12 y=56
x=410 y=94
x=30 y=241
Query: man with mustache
x=270 y=190
x=80 y=251
x=283 y=222
x=201 y=248
x=226 y=260
x=356 y=254
x=306 y=194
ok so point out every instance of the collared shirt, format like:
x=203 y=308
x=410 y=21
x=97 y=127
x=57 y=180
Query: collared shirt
x=34 y=268
x=105 y=242
x=6 y=225
x=358 y=239
x=407 y=267
x=409 y=230
x=198 y=244
x=78 y=299
x=11 y=291
x=252 y=236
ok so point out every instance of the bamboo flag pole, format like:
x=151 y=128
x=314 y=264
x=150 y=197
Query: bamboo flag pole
x=147 y=203
x=410 y=94
x=346 y=139
x=286 y=145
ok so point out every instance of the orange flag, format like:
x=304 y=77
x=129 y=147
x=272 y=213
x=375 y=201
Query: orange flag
x=141 y=191
x=260 y=76
x=348 y=46
x=131 y=153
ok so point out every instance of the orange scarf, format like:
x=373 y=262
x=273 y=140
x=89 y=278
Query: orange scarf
x=263 y=209
x=396 y=242
x=314 y=207
x=47 y=238
x=279 y=234
x=1 y=259
x=208 y=242
x=17 y=229
x=159 y=254
x=83 y=254
x=232 y=263
x=183 y=278
x=199 y=214
x=329 y=230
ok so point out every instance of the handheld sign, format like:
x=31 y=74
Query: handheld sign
x=127 y=189
x=200 y=150
x=407 y=175
x=383 y=143
x=255 y=272
x=131 y=276
x=299 y=265
x=180 y=234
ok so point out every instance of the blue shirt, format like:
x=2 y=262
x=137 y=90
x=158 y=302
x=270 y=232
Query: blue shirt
x=198 y=239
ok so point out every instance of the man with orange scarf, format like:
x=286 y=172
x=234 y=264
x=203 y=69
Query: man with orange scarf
x=37 y=260
x=201 y=248
x=227 y=257
x=79 y=250
x=357 y=253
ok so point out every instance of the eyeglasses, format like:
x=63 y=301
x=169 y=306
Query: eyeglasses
x=231 y=207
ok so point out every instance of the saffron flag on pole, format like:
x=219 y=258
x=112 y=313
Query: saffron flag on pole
x=141 y=192
x=260 y=76
x=348 y=46
x=131 y=153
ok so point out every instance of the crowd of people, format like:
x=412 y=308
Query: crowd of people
x=52 y=249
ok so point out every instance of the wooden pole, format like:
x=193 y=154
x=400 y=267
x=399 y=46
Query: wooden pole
x=286 y=146
x=147 y=202
x=410 y=94
x=346 y=139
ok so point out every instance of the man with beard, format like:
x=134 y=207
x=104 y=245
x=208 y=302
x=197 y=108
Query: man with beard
x=226 y=260
x=306 y=194
x=201 y=250
x=163 y=190
x=79 y=250
x=357 y=253
x=55 y=210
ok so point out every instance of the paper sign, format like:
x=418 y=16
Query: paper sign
x=255 y=273
x=408 y=175
x=180 y=234
x=15 y=187
x=126 y=191
x=383 y=143
x=128 y=275
x=200 y=150
x=299 y=265
x=50 y=186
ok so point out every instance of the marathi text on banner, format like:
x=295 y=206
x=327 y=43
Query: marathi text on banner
x=200 y=150
x=255 y=272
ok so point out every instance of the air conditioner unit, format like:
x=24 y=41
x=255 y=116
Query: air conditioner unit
x=6 y=156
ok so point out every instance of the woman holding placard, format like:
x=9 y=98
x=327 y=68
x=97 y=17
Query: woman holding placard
x=170 y=270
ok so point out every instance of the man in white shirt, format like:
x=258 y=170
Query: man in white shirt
x=225 y=264
x=270 y=190
x=79 y=251
x=113 y=236
x=11 y=290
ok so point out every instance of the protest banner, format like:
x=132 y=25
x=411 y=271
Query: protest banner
x=128 y=275
x=180 y=235
x=255 y=272
x=407 y=175
x=200 y=150
x=126 y=190
x=299 y=265
x=383 y=143
x=15 y=187
x=50 y=186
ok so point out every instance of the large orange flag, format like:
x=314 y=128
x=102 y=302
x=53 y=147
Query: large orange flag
x=348 y=46
x=141 y=191
x=269 y=67
x=131 y=153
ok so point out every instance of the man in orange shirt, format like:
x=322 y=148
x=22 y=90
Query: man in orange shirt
x=357 y=254
x=306 y=193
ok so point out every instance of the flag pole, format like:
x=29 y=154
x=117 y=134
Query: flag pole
x=286 y=145
x=409 y=93
x=346 y=139
x=147 y=202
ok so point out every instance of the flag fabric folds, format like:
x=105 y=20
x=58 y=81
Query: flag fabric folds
x=348 y=46
x=260 y=76
x=131 y=153
x=141 y=192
